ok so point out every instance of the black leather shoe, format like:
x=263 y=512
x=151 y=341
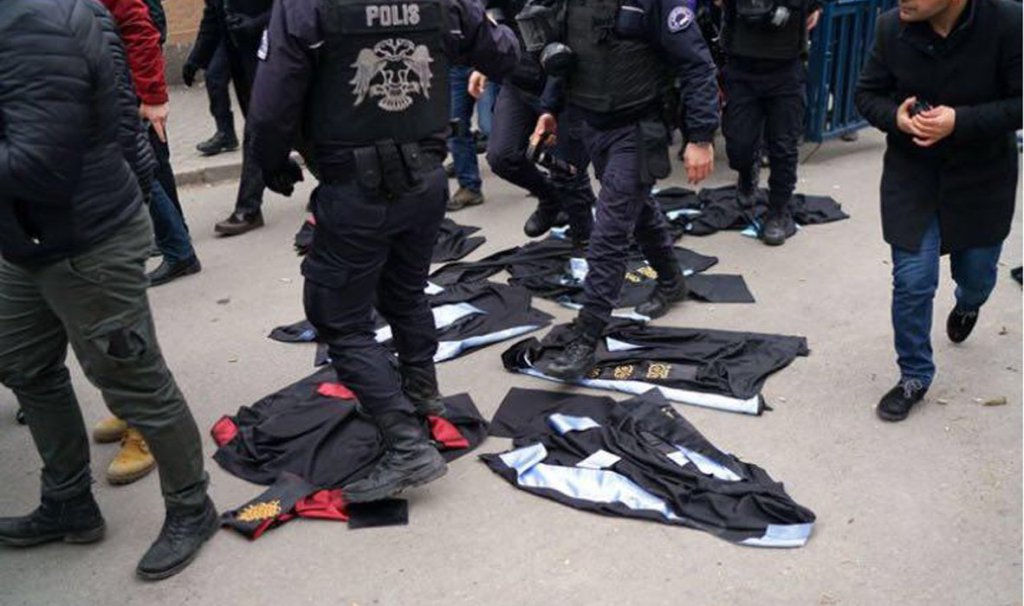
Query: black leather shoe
x=220 y=142
x=76 y=520
x=663 y=297
x=238 y=224
x=183 y=533
x=166 y=272
x=896 y=405
x=410 y=460
x=542 y=220
x=773 y=232
x=419 y=383
x=960 y=323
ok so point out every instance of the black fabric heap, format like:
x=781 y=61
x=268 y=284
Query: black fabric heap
x=641 y=459
x=320 y=438
x=723 y=363
x=542 y=267
x=717 y=209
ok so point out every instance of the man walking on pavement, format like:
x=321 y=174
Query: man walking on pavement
x=74 y=239
x=382 y=191
x=943 y=81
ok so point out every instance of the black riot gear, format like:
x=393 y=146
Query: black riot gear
x=383 y=74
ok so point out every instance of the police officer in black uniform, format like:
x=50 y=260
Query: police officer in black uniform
x=370 y=79
x=519 y=105
x=765 y=83
x=628 y=54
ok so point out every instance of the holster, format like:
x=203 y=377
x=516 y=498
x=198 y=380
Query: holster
x=652 y=148
x=389 y=167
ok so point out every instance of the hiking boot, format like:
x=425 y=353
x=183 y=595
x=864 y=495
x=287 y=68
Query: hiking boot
x=667 y=292
x=409 y=460
x=419 y=383
x=746 y=188
x=960 y=323
x=543 y=219
x=183 y=533
x=580 y=354
x=896 y=405
x=167 y=272
x=465 y=197
x=220 y=142
x=75 y=520
x=238 y=223
x=133 y=461
x=109 y=430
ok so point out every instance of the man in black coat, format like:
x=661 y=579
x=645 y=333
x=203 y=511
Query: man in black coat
x=238 y=25
x=944 y=82
x=74 y=239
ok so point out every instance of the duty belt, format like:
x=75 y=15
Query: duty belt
x=384 y=167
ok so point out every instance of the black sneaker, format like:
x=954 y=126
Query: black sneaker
x=183 y=533
x=960 y=323
x=896 y=405
x=76 y=520
x=773 y=232
x=220 y=142
x=166 y=272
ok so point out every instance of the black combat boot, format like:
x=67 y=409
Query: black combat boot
x=184 y=531
x=580 y=354
x=409 y=460
x=547 y=215
x=671 y=289
x=746 y=188
x=220 y=142
x=74 y=520
x=419 y=383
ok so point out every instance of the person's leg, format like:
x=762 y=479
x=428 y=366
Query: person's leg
x=461 y=144
x=218 y=77
x=742 y=125
x=485 y=108
x=171 y=236
x=785 y=99
x=165 y=173
x=514 y=120
x=575 y=192
x=401 y=299
x=654 y=238
x=915 y=277
x=974 y=271
x=247 y=214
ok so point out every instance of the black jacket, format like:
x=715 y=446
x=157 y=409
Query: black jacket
x=970 y=178
x=64 y=181
x=213 y=29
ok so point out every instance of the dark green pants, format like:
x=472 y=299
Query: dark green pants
x=96 y=301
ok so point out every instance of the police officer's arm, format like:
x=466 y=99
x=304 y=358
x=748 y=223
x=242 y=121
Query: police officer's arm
x=474 y=39
x=208 y=38
x=673 y=28
x=287 y=56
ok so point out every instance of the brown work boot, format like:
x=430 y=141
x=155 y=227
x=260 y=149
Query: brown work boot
x=465 y=197
x=109 y=430
x=133 y=461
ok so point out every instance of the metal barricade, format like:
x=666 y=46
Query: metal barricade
x=839 y=46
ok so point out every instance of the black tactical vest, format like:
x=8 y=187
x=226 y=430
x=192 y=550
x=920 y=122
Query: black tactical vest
x=382 y=74
x=611 y=73
x=765 y=42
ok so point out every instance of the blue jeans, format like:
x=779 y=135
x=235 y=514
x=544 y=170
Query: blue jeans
x=485 y=107
x=169 y=227
x=915 y=277
x=461 y=144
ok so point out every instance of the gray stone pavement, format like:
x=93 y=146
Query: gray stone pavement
x=923 y=512
x=188 y=124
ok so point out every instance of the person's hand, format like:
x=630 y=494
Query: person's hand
x=283 y=180
x=812 y=19
x=546 y=124
x=477 y=84
x=243 y=24
x=904 y=121
x=934 y=125
x=699 y=160
x=157 y=116
x=188 y=73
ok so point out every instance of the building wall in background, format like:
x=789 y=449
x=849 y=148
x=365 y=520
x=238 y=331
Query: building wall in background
x=182 y=24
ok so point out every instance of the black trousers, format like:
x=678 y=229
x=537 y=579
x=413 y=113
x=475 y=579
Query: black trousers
x=242 y=63
x=370 y=251
x=515 y=115
x=218 y=77
x=772 y=103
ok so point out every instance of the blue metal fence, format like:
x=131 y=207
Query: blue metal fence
x=839 y=46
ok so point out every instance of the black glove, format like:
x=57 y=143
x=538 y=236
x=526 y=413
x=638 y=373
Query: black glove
x=244 y=25
x=282 y=180
x=188 y=73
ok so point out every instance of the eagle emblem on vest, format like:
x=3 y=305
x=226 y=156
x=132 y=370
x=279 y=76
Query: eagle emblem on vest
x=394 y=70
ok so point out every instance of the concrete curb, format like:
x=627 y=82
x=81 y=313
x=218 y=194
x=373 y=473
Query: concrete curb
x=209 y=175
